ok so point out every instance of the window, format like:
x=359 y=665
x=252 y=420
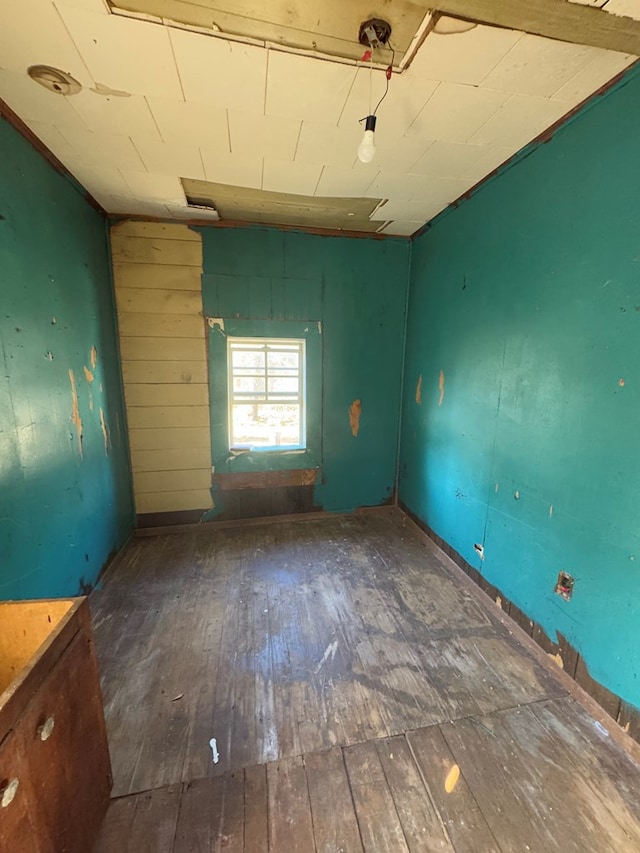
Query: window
x=266 y=393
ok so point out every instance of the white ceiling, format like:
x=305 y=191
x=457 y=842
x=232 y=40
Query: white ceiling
x=203 y=107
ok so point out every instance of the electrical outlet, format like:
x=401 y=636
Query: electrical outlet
x=564 y=585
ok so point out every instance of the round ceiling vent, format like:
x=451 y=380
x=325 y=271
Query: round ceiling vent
x=54 y=79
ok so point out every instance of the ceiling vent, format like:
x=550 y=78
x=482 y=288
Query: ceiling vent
x=55 y=80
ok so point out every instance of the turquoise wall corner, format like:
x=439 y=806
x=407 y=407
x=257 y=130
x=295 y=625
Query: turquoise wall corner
x=356 y=291
x=524 y=324
x=65 y=502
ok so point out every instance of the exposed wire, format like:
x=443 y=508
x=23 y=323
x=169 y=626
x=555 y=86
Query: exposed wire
x=388 y=72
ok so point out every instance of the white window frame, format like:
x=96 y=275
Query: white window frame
x=239 y=344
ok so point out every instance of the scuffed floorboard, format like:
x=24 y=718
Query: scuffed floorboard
x=344 y=675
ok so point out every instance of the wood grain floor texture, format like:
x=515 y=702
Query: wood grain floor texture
x=361 y=698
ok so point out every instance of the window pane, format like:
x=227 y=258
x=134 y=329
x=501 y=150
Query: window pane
x=283 y=384
x=283 y=359
x=265 y=424
x=241 y=358
x=248 y=385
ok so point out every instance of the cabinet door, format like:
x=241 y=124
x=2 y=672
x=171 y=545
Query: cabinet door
x=66 y=752
x=16 y=831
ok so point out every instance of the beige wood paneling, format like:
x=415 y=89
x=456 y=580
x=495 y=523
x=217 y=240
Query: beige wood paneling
x=147 y=417
x=157 y=271
x=160 y=325
x=143 y=300
x=179 y=459
x=173 y=501
x=157 y=277
x=162 y=349
x=167 y=395
x=164 y=371
x=151 y=250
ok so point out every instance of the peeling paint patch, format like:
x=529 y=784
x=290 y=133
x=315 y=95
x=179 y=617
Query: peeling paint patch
x=216 y=323
x=551 y=511
x=452 y=779
x=499 y=602
x=105 y=432
x=441 y=387
x=557 y=659
x=94 y=357
x=497 y=487
x=621 y=382
x=419 y=391
x=355 y=410
x=75 y=410
x=88 y=375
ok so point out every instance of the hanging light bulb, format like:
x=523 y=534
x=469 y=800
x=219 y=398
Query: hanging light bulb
x=367 y=148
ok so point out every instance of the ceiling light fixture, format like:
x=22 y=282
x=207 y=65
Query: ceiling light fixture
x=56 y=81
x=374 y=34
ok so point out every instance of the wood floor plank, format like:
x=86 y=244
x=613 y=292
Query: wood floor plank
x=463 y=820
x=256 y=821
x=423 y=827
x=154 y=825
x=290 y=824
x=116 y=826
x=380 y=827
x=335 y=826
x=231 y=835
x=200 y=816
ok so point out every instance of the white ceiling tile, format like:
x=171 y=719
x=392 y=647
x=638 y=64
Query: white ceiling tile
x=409 y=211
x=166 y=158
x=493 y=157
x=133 y=206
x=50 y=136
x=539 y=66
x=35 y=103
x=284 y=177
x=402 y=228
x=219 y=72
x=204 y=124
x=36 y=35
x=104 y=150
x=398 y=153
x=103 y=114
x=519 y=121
x=164 y=188
x=338 y=182
x=403 y=102
x=271 y=136
x=99 y=6
x=232 y=169
x=123 y=53
x=604 y=65
x=328 y=144
x=309 y=89
x=463 y=57
x=421 y=188
x=98 y=180
x=455 y=112
x=448 y=159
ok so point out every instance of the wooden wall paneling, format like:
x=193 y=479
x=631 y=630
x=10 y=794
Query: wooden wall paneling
x=157 y=275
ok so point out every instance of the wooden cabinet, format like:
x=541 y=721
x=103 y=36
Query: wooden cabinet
x=55 y=775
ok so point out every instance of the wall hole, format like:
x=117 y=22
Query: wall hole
x=564 y=585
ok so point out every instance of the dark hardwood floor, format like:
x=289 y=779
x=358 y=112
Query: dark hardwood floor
x=360 y=697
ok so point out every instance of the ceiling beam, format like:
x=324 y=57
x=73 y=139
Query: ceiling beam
x=554 y=19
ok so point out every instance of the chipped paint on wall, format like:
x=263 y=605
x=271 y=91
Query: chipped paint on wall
x=54 y=508
x=88 y=375
x=105 y=432
x=75 y=410
x=441 y=387
x=355 y=410
x=557 y=659
x=94 y=357
x=419 y=390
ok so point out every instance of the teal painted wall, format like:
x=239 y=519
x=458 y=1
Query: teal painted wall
x=527 y=297
x=61 y=515
x=357 y=290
